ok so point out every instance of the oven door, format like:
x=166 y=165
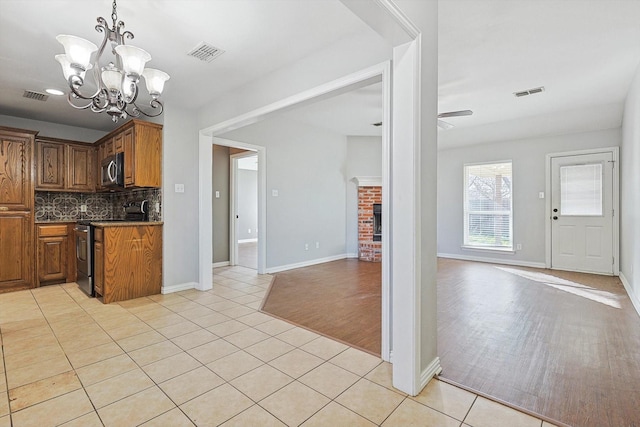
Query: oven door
x=83 y=258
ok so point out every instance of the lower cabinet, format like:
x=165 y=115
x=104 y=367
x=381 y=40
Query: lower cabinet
x=56 y=254
x=16 y=251
x=127 y=261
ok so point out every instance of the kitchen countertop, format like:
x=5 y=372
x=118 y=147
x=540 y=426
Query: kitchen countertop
x=102 y=223
x=125 y=223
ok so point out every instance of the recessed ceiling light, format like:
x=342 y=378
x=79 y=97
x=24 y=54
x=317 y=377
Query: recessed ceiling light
x=54 y=92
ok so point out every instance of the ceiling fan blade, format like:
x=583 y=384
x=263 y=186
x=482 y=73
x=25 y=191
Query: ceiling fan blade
x=455 y=114
x=444 y=125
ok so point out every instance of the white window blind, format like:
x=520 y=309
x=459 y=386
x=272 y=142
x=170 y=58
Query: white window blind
x=581 y=190
x=488 y=219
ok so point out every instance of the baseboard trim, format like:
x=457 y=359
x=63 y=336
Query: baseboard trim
x=179 y=287
x=247 y=240
x=429 y=372
x=352 y=255
x=493 y=260
x=221 y=264
x=632 y=296
x=280 y=268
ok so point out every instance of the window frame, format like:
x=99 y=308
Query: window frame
x=467 y=212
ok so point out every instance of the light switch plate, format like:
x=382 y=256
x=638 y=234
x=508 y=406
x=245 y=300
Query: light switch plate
x=274 y=193
x=179 y=188
x=217 y=194
x=541 y=195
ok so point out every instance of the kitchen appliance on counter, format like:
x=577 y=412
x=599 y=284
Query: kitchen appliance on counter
x=135 y=211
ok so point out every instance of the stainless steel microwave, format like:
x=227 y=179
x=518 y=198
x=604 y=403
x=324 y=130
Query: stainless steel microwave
x=112 y=171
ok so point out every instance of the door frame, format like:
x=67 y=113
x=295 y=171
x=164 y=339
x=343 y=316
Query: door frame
x=210 y=135
x=233 y=205
x=615 y=152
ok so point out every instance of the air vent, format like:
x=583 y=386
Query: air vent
x=35 y=95
x=529 y=92
x=205 y=52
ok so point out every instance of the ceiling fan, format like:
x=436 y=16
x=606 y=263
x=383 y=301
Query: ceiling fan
x=444 y=125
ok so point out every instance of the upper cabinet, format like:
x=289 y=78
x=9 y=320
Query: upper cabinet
x=141 y=143
x=64 y=165
x=16 y=176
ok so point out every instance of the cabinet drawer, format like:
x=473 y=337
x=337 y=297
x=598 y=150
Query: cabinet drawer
x=52 y=230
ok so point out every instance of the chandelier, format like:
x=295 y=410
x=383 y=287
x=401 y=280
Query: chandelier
x=117 y=81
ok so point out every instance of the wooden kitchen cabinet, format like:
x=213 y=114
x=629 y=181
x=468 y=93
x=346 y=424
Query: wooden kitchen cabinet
x=80 y=169
x=56 y=257
x=52 y=253
x=50 y=165
x=127 y=261
x=98 y=262
x=16 y=251
x=141 y=143
x=64 y=165
x=16 y=209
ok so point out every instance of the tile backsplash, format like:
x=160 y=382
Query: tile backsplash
x=60 y=206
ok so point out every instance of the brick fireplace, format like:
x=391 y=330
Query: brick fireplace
x=369 y=239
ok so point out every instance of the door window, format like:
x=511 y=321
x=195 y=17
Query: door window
x=581 y=190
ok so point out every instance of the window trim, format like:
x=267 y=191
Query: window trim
x=466 y=212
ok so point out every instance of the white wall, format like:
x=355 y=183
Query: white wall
x=306 y=165
x=54 y=130
x=247 y=204
x=630 y=193
x=528 y=157
x=364 y=158
x=180 y=210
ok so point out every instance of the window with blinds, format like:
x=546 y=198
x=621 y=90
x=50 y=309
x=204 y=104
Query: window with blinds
x=488 y=219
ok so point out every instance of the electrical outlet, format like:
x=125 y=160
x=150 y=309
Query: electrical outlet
x=518 y=247
x=179 y=188
x=83 y=208
x=306 y=246
x=248 y=230
x=157 y=206
x=317 y=245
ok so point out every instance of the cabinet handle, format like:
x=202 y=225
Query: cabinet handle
x=4 y=208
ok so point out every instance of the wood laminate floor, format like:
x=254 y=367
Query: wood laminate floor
x=340 y=299
x=559 y=344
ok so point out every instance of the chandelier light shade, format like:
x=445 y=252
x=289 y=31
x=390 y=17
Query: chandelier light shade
x=117 y=68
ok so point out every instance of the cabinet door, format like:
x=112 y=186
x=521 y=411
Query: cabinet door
x=16 y=251
x=118 y=142
x=129 y=157
x=80 y=168
x=52 y=258
x=98 y=266
x=109 y=147
x=49 y=166
x=16 y=188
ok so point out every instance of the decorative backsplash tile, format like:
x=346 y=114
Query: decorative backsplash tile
x=59 y=206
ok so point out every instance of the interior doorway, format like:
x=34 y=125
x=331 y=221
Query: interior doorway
x=243 y=242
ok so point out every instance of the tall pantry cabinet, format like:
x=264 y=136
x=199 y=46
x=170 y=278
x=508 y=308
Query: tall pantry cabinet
x=16 y=209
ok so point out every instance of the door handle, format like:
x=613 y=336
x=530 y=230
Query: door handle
x=555 y=217
x=555 y=210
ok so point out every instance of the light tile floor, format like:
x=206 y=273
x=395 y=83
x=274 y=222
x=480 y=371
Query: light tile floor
x=201 y=358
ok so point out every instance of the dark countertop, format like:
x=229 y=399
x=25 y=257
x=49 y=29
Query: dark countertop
x=68 y=221
x=103 y=223
x=125 y=223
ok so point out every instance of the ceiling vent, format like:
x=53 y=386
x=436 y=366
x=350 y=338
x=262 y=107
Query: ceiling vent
x=205 y=52
x=35 y=95
x=529 y=92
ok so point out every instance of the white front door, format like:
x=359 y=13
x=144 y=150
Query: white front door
x=582 y=213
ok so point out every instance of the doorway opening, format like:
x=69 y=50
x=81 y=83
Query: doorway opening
x=243 y=240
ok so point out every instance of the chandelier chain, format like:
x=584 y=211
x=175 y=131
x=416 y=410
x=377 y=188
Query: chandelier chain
x=114 y=14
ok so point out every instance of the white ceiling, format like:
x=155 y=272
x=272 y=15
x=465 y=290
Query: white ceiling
x=259 y=36
x=584 y=52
